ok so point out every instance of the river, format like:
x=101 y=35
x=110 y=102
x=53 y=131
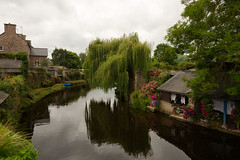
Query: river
x=93 y=125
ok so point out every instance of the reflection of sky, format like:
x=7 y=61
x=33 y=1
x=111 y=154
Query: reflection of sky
x=65 y=137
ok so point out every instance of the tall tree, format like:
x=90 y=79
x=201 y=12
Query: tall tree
x=66 y=58
x=210 y=32
x=110 y=63
x=165 y=53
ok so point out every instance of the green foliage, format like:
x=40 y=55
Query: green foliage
x=40 y=69
x=66 y=58
x=82 y=58
x=210 y=32
x=185 y=65
x=139 y=100
x=14 y=145
x=74 y=75
x=202 y=84
x=165 y=53
x=110 y=63
x=45 y=62
x=181 y=58
x=16 y=88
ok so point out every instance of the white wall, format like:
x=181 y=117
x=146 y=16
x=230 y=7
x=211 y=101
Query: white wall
x=219 y=105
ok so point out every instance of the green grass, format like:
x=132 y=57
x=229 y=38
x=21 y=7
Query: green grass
x=15 y=145
x=38 y=94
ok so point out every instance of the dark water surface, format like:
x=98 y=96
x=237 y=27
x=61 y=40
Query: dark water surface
x=92 y=125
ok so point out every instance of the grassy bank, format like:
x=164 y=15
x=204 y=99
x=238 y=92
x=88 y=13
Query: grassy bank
x=37 y=94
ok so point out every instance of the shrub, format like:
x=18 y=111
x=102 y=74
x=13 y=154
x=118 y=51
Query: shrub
x=40 y=69
x=207 y=110
x=187 y=112
x=185 y=65
x=14 y=145
x=139 y=100
x=74 y=75
x=150 y=88
x=235 y=116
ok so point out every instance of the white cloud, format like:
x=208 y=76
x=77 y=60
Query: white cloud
x=72 y=24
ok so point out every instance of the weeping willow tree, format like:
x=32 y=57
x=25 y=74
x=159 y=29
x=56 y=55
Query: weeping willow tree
x=111 y=63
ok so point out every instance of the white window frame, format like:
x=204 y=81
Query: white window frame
x=1 y=48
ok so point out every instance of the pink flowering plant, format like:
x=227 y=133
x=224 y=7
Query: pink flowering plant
x=187 y=112
x=154 y=99
x=156 y=72
x=207 y=111
x=150 y=88
x=235 y=116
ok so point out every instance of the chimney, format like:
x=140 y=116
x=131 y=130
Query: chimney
x=10 y=28
x=29 y=42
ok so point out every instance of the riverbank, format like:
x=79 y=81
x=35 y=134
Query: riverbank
x=38 y=94
x=13 y=115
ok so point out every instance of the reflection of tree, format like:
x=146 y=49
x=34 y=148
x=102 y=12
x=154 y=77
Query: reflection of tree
x=106 y=125
x=197 y=142
x=68 y=96
x=38 y=113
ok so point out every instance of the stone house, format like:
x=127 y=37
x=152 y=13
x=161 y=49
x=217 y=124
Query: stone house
x=174 y=92
x=12 y=42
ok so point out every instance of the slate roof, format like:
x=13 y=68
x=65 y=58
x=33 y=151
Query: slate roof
x=3 y=96
x=39 y=52
x=10 y=64
x=176 y=84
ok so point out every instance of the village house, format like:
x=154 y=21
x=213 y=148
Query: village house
x=12 y=42
x=174 y=94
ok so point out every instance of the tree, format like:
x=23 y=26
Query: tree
x=66 y=58
x=82 y=57
x=165 y=53
x=111 y=63
x=210 y=32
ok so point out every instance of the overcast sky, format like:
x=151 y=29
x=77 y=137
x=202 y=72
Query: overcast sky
x=72 y=24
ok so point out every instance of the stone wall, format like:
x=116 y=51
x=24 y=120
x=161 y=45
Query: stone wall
x=139 y=80
x=36 y=61
x=165 y=107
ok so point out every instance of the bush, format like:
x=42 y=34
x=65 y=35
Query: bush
x=14 y=145
x=185 y=65
x=47 y=83
x=150 y=88
x=40 y=69
x=74 y=75
x=235 y=116
x=139 y=100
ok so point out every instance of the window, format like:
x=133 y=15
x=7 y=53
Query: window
x=36 y=63
x=1 y=48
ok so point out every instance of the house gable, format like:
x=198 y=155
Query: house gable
x=11 y=42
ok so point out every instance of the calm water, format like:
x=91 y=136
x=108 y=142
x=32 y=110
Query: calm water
x=79 y=124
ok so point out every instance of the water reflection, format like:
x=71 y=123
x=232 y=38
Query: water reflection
x=117 y=126
x=81 y=124
x=38 y=114
x=197 y=142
